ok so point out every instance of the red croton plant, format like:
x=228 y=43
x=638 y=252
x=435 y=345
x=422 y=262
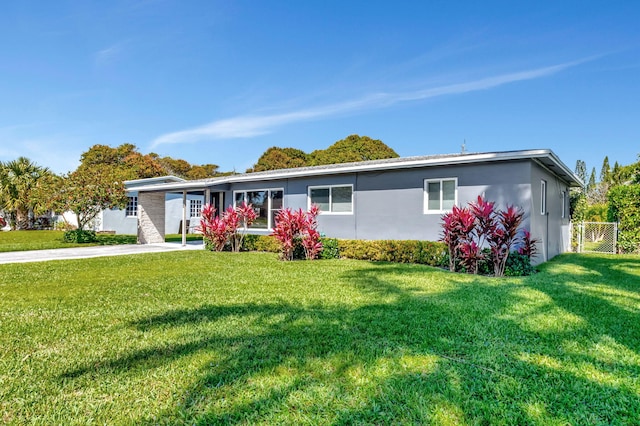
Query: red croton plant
x=467 y=230
x=298 y=227
x=229 y=228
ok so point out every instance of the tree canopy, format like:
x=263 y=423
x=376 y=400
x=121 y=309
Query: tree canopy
x=280 y=158
x=128 y=163
x=350 y=149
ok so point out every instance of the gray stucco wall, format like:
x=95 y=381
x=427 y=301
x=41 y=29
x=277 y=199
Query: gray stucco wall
x=390 y=204
x=551 y=229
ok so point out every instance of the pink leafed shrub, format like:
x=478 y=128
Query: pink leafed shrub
x=505 y=237
x=213 y=228
x=295 y=227
x=238 y=219
x=529 y=245
x=228 y=228
x=467 y=230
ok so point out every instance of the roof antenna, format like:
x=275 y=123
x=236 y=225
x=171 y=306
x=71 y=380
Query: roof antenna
x=464 y=147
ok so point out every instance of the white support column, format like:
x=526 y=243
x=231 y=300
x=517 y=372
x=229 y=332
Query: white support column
x=184 y=218
x=207 y=200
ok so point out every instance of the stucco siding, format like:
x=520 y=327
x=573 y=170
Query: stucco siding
x=118 y=221
x=551 y=229
x=390 y=204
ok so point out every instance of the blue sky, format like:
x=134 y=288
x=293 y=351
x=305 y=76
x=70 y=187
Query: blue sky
x=221 y=81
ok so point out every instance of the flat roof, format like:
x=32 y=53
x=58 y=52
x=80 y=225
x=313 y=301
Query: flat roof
x=545 y=157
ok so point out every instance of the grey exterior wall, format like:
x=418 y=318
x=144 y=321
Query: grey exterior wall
x=390 y=204
x=551 y=229
x=118 y=221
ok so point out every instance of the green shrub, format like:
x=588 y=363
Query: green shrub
x=401 y=251
x=80 y=236
x=518 y=265
x=330 y=248
x=266 y=243
x=624 y=208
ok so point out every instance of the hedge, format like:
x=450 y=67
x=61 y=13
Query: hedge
x=624 y=208
x=400 y=251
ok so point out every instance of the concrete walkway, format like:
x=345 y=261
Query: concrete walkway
x=93 y=251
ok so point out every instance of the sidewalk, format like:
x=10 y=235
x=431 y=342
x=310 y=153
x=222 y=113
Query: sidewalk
x=93 y=251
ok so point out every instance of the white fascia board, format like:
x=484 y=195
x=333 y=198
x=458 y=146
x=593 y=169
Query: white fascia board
x=153 y=180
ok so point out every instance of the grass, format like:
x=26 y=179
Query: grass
x=222 y=338
x=41 y=240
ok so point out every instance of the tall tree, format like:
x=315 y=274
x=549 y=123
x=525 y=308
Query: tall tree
x=352 y=148
x=605 y=172
x=18 y=179
x=276 y=158
x=581 y=170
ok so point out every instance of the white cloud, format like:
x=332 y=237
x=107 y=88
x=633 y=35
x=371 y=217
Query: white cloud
x=109 y=54
x=254 y=125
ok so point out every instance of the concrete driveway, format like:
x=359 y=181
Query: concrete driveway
x=93 y=251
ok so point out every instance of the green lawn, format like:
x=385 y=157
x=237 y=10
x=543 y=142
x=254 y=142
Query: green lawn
x=40 y=240
x=221 y=338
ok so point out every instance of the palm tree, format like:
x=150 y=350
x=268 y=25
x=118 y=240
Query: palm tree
x=17 y=179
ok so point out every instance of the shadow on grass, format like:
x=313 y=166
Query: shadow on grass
x=416 y=356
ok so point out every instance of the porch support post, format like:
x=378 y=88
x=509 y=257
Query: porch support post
x=207 y=200
x=184 y=218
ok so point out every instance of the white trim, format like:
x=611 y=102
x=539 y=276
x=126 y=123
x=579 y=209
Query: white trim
x=330 y=188
x=425 y=196
x=564 y=204
x=543 y=197
x=269 y=209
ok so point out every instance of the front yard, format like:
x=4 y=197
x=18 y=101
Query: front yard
x=211 y=338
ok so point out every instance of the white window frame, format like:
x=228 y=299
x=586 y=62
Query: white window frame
x=543 y=197
x=564 y=204
x=426 y=194
x=269 y=208
x=195 y=208
x=330 y=188
x=133 y=211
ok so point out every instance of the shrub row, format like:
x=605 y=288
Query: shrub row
x=400 y=251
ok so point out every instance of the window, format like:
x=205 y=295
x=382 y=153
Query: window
x=440 y=195
x=132 y=206
x=564 y=204
x=265 y=202
x=337 y=199
x=195 y=208
x=543 y=197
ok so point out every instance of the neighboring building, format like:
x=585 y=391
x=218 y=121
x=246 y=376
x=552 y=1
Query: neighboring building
x=398 y=198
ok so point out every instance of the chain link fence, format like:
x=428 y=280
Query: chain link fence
x=595 y=237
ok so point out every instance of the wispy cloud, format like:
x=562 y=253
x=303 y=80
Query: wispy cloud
x=109 y=54
x=254 y=125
